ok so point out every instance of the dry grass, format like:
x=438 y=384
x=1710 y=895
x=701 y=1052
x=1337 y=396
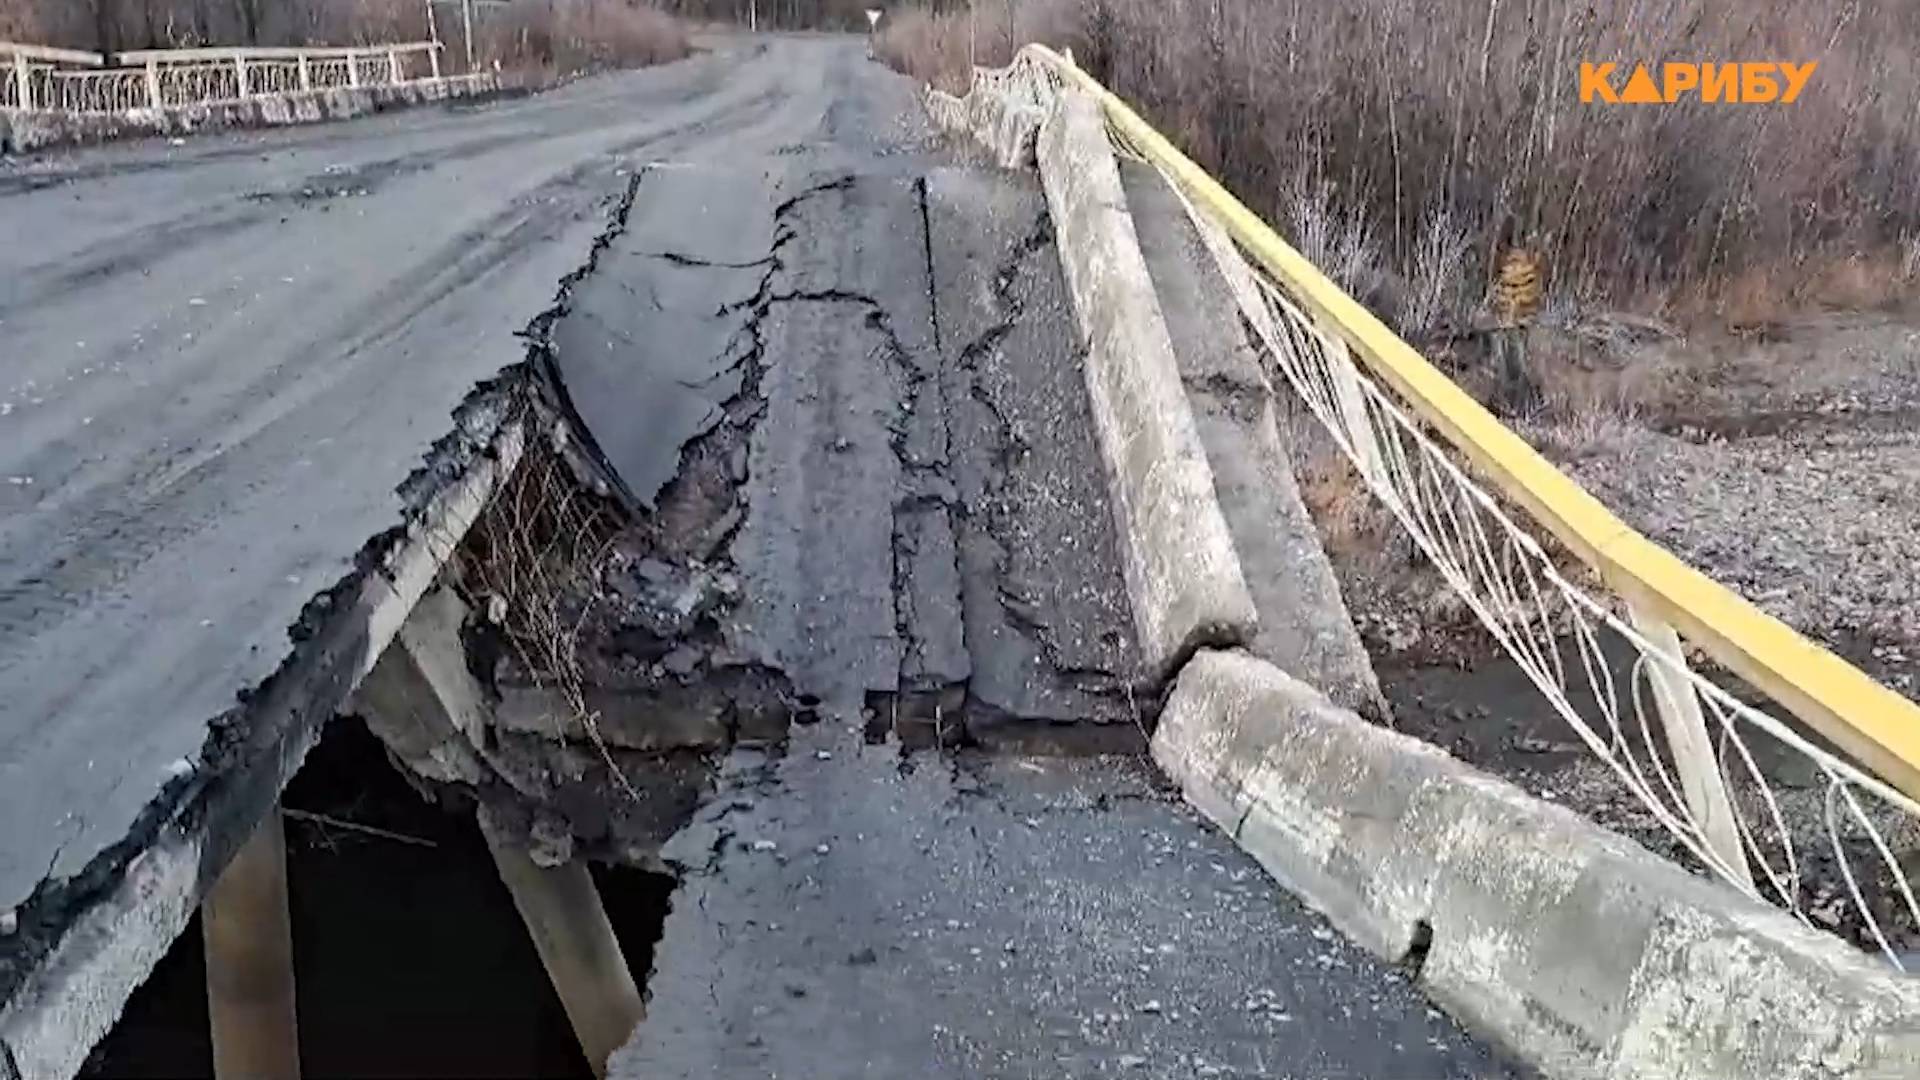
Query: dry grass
x=533 y=560
x=20 y=22
x=1414 y=135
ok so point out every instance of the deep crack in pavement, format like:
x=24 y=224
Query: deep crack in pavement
x=919 y=532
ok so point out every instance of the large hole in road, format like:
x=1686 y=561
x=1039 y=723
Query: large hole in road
x=410 y=958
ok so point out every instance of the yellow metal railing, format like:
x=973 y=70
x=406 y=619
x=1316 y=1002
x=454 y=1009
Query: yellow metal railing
x=1876 y=726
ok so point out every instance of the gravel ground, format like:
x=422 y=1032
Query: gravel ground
x=1822 y=532
x=1788 y=470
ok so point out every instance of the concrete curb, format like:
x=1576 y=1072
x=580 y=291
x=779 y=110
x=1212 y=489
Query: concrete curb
x=1182 y=572
x=1305 y=628
x=1578 y=950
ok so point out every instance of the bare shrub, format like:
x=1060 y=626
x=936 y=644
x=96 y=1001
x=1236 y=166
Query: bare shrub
x=1337 y=238
x=20 y=21
x=533 y=560
x=931 y=48
x=1439 y=275
x=943 y=47
x=1466 y=113
x=568 y=36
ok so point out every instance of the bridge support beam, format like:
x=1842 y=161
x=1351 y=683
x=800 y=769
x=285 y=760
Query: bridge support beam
x=576 y=943
x=421 y=700
x=249 y=949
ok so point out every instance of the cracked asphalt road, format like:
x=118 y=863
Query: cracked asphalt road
x=883 y=355
x=856 y=386
x=223 y=361
x=220 y=361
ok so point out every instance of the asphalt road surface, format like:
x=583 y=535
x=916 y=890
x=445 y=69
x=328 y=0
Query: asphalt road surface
x=818 y=340
x=848 y=912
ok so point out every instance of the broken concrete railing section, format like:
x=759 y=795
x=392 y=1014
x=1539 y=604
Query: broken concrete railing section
x=1579 y=951
x=1007 y=128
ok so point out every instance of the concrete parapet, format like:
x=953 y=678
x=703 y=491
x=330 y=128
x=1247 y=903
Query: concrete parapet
x=1581 y=952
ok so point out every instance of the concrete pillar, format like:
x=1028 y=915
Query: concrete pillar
x=249 y=946
x=570 y=930
x=23 y=81
x=394 y=74
x=353 y=69
x=240 y=73
x=306 y=74
x=154 y=98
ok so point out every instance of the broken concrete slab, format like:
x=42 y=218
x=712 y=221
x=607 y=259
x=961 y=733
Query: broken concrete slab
x=1305 y=628
x=1048 y=622
x=816 y=550
x=912 y=516
x=83 y=969
x=708 y=710
x=861 y=238
x=653 y=343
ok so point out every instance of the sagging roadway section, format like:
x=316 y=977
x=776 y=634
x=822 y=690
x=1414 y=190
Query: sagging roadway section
x=829 y=369
x=855 y=394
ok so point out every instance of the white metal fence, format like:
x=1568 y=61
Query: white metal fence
x=35 y=78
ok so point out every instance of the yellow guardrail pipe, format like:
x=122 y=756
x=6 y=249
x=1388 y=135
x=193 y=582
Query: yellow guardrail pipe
x=1877 y=727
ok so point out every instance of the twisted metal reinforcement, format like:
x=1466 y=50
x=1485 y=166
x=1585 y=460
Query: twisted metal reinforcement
x=1585 y=607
